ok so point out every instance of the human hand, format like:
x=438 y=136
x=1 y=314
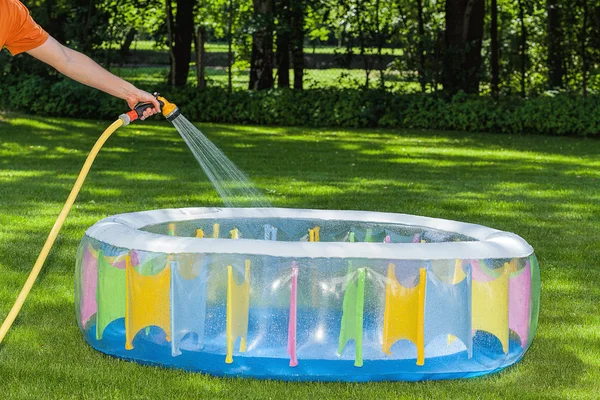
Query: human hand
x=139 y=96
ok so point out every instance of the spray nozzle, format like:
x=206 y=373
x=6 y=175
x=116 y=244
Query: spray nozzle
x=169 y=110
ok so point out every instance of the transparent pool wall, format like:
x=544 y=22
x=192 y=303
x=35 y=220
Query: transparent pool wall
x=354 y=319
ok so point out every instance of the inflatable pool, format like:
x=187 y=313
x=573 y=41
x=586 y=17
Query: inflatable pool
x=313 y=295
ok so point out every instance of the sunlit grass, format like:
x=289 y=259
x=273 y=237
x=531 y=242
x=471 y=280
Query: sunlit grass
x=313 y=78
x=545 y=189
x=223 y=48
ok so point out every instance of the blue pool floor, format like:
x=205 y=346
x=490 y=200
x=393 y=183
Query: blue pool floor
x=266 y=356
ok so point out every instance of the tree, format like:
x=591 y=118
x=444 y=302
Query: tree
x=229 y=21
x=583 y=40
x=381 y=36
x=230 y=56
x=126 y=19
x=594 y=36
x=183 y=32
x=200 y=40
x=283 y=30
x=555 y=40
x=495 y=49
x=126 y=45
x=463 y=40
x=420 y=44
x=170 y=40
x=261 y=62
x=523 y=47
x=87 y=34
x=297 y=10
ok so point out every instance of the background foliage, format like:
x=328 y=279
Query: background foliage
x=412 y=55
x=550 y=114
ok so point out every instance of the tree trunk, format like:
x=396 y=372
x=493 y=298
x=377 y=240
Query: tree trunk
x=583 y=40
x=184 y=34
x=170 y=40
x=523 y=48
x=360 y=11
x=297 y=41
x=126 y=46
x=408 y=51
x=495 y=49
x=463 y=39
x=86 y=37
x=438 y=58
x=127 y=43
x=230 y=46
x=283 y=43
x=200 y=41
x=555 y=40
x=261 y=63
x=420 y=45
x=380 y=43
x=596 y=29
x=594 y=43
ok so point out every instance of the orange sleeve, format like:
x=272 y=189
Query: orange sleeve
x=23 y=33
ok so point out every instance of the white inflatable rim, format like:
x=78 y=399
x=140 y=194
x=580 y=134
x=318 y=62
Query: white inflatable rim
x=124 y=231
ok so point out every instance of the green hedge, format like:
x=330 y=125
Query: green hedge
x=561 y=114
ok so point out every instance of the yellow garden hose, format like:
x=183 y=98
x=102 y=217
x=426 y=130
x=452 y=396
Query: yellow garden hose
x=37 y=267
x=169 y=110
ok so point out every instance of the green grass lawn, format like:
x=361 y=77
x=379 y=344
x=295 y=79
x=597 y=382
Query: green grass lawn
x=313 y=78
x=151 y=70
x=545 y=189
x=223 y=48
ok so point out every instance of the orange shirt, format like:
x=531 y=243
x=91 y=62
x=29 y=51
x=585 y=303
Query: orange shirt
x=18 y=31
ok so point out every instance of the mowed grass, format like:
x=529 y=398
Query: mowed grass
x=313 y=78
x=545 y=189
x=224 y=48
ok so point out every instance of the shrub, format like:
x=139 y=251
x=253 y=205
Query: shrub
x=561 y=114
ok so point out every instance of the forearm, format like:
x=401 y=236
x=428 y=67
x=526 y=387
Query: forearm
x=83 y=69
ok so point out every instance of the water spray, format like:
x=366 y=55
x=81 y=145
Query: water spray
x=169 y=110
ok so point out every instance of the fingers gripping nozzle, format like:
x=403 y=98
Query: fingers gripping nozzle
x=169 y=110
